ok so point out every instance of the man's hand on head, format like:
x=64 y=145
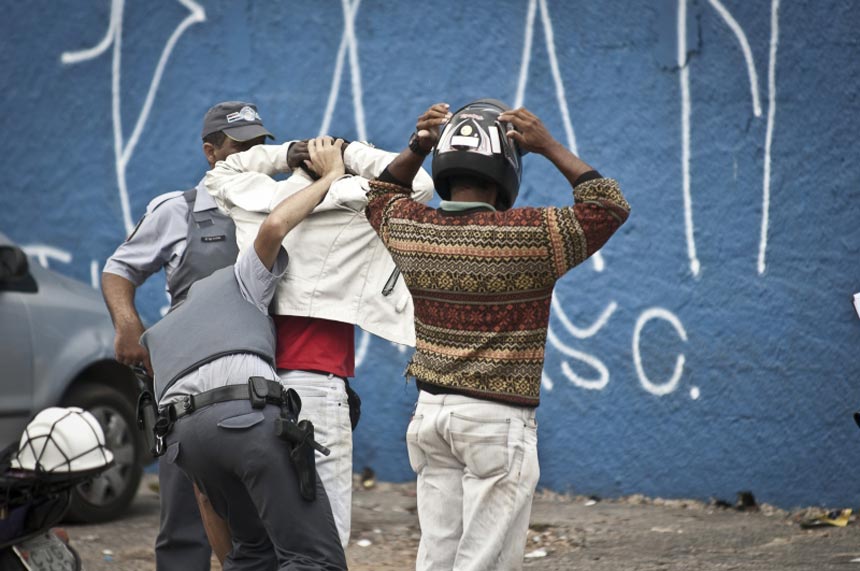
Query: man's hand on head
x=428 y=125
x=298 y=154
x=531 y=134
x=326 y=157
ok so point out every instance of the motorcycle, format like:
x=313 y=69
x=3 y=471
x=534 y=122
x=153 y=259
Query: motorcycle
x=60 y=449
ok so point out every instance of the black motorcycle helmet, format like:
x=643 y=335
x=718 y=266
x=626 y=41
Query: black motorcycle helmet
x=473 y=143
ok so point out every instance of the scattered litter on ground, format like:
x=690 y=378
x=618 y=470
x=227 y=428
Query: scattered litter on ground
x=834 y=518
x=720 y=503
x=666 y=530
x=368 y=478
x=536 y=553
x=746 y=502
x=632 y=532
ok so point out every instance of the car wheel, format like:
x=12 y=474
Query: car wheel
x=109 y=494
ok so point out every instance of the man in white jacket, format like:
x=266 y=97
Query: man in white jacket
x=340 y=275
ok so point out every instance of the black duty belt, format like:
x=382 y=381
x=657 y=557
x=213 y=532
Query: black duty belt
x=258 y=390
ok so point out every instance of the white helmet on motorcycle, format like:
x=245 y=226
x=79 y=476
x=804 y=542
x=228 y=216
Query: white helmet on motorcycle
x=62 y=441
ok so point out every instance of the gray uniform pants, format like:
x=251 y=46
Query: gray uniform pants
x=181 y=541
x=231 y=452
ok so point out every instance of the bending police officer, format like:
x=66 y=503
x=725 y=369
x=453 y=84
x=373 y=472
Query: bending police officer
x=213 y=357
x=184 y=234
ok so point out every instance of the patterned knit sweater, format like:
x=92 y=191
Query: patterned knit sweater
x=482 y=281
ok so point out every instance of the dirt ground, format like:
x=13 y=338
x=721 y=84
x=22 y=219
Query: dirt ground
x=567 y=533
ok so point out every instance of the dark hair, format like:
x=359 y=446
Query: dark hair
x=216 y=139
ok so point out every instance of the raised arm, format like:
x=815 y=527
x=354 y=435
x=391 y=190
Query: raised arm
x=244 y=180
x=327 y=162
x=403 y=168
x=532 y=136
x=599 y=207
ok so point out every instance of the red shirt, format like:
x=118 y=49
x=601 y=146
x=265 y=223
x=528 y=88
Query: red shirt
x=310 y=344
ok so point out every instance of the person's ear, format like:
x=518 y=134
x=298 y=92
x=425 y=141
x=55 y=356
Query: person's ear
x=209 y=151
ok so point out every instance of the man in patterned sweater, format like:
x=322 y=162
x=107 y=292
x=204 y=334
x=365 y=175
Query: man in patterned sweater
x=481 y=276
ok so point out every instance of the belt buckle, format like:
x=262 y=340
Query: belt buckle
x=188 y=405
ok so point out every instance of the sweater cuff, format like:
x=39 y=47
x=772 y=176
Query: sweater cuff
x=377 y=187
x=587 y=176
x=386 y=176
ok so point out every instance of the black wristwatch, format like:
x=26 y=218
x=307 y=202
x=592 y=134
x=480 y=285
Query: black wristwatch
x=415 y=146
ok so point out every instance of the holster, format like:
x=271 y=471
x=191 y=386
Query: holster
x=302 y=456
x=147 y=414
x=354 y=403
x=299 y=436
x=148 y=417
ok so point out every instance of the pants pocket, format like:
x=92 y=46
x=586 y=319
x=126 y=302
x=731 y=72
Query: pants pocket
x=316 y=402
x=241 y=421
x=481 y=444
x=417 y=458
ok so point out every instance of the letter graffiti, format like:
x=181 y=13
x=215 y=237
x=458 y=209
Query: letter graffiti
x=44 y=253
x=603 y=374
x=561 y=98
x=686 y=111
x=659 y=389
x=349 y=42
x=123 y=150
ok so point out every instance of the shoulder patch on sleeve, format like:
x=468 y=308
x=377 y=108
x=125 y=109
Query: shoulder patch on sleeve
x=161 y=199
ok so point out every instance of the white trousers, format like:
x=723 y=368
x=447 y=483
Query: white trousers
x=477 y=470
x=324 y=403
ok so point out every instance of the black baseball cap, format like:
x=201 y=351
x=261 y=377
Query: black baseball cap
x=239 y=121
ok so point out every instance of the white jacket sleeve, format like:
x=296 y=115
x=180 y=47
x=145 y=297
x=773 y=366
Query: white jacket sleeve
x=244 y=180
x=369 y=162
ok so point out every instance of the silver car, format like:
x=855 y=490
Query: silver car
x=56 y=349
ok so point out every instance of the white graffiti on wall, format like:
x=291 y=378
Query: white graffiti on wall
x=771 y=117
x=602 y=371
x=44 y=254
x=686 y=110
x=670 y=385
x=580 y=333
x=95 y=274
x=124 y=149
x=348 y=42
x=664 y=388
x=561 y=98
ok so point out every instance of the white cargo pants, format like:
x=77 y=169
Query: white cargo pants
x=477 y=470
x=324 y=403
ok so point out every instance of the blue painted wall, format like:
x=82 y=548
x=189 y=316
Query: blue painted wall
x=695 y=357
